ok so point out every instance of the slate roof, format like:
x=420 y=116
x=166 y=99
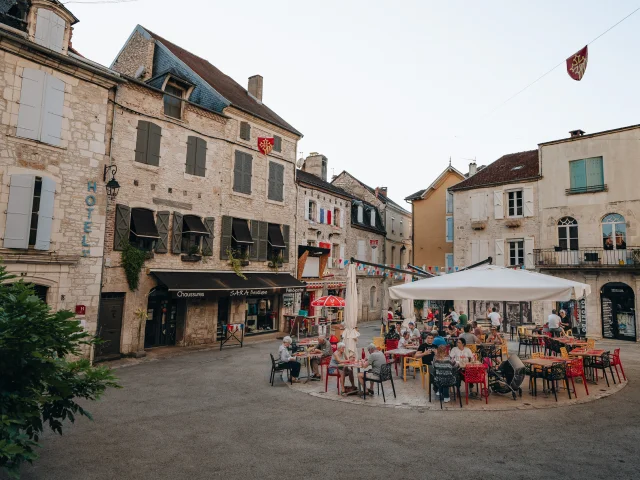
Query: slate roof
x=417 y=195
x=384 y=199
x=510 y=168
x=225 y=85
x=315 y=181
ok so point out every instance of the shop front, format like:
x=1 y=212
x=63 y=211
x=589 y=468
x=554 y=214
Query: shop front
x=618 y=311
x=205 y=302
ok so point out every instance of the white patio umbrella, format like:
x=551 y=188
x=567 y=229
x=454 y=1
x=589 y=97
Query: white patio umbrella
x=350 y=334
x=407 y=307
x=492 y=282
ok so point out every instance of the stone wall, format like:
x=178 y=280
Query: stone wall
x=137 y=53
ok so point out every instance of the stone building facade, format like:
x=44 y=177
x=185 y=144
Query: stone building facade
x=589 y=230
x=212 y=204
x=55 y=115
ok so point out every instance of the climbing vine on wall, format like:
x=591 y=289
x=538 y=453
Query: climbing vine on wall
x=132 y=262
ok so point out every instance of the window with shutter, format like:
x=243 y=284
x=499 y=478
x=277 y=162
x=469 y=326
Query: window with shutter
x=286 y=236
x=263 y=243
x=528 y=201
x=44 y=219
x=242 y=171
x=225 y=237
x=142 y=141
x=191 y=156
x=276 y=182
x=449 y=202
x=277 y=143
x=122 y=227
x=148 y=143
x=254 y=228
x=449 y=229
x=586 y=175
x=247 y=174
x=196 y=156
x=162 y=224
x=41 y=107
x=176 y=235
x=19 y=211
x=52 y=111
x=499 y=250
x=245 y=131
x=498 y=208
x=50 y=29
x=207 y=241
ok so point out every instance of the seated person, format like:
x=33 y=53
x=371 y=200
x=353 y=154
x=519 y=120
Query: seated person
x=445 y=371
x=452 y=330
x=376 y=360
x=392 y=334
x=414 y=333
x=461 y=351
x=404 y=340
x=438 y=340
x=427 y=350
x=495 y=337
x=337 y=364
x=288 y=359
x=323 y=348
x=468 y=336
x=477 y=331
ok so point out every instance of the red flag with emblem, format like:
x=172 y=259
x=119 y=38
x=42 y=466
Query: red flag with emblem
x=577 y=64
x=265 y=145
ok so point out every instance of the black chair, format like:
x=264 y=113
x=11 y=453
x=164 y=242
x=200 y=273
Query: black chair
x=534 y=372
x=523 y=340
x=385 y=376
x=553 y=374
x=602 y=363
x=279 y=366
x=446 y=382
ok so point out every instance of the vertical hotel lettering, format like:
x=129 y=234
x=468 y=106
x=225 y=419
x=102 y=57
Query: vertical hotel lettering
x=90 y=202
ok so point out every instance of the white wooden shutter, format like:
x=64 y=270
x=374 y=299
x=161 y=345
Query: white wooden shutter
x=475 y=208
x=343 y=213
x=499 y=260
x=527 y=195
x=51 y=130
x=306 y=208
x=374 y=255
x=30 y=111
x=498 y=208
x=528 y=252
x=361 y=251
x=341 y=256
x=318 y=212
x=475 y=252
x=360 y=214
x=482 y=200
x=45 y=215
x=43 y=27
x=56 y=32
x=373 y=217
x=16 y=233
x=483 y=250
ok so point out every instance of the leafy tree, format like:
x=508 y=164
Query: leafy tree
x=42 y=374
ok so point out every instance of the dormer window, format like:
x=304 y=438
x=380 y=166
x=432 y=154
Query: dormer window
x=16 y=16
x=50 y=29
x=173 y=100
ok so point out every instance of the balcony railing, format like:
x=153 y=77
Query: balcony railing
x=596 y=257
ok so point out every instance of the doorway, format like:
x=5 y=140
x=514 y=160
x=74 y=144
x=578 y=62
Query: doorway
x=618 y=311
x=160 y=329
x=110 y=325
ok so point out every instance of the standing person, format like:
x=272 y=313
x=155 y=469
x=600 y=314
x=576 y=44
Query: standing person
x=288 y=359
x=429 y=317
x=554 y=324
x=453 y=316
x=323 y=348
x=445 y=371
x=462 y=319
x=376 y=360
x=494 y=318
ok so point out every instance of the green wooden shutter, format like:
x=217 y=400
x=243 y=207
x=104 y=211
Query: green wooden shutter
x=254 y=226
x=263 y=244
x=201 y=157
x=279 y=182
x=162 y=224
x=578 y=174
x=594 y=172
x=246 y=174
x=277 y=143
x=191 y=155
x=123 y=222
x=207 y=242
x=271 y=185
x=225 y=237
x=142 y=141
x=285 y=235
x=176 y=235
x=153 y=153
x=237 y=171
x=245 y=131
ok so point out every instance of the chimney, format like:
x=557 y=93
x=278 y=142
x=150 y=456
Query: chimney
x=255 y=87
x=576 y=133
x=316 y=164
x=473 y=169
x=381 y=191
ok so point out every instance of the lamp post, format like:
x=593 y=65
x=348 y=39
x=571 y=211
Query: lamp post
x=112 y=185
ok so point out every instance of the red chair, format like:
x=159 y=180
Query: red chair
x=392 y=345
x=476 y=374
x=615 y=361
x=575 y=369
x=325 y=362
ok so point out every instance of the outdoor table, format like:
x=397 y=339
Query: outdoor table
x=401 y=352
x=543 y=363
x=593 y=353
x=307 y=356
x=358 y=365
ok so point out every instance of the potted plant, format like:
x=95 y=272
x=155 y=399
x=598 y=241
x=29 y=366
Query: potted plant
x=193 y=255
x=276 y=262
x=237 y=262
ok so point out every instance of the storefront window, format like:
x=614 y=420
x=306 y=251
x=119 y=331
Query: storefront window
x=262 y=314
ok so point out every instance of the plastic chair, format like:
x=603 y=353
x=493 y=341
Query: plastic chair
x=379 y=343
x=553 y=374
x=279 y=366
x=569 y=333
x=440 y=382
x=591 y=344
x=324 y=362
x=476 y=374
x=392 y=345
x=473 y=347
x=385 y=376
x=329 y=374
x=602 y=363
x=615 y=362
x=524 y=341
x=411 y=362
x=575 y=369
x=564 y=353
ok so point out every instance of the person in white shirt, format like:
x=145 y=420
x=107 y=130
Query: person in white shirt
x=495 y=318
x=413 y=331
x=453 y=316
x=554 y=324
x=404 y=340
x=460 y=351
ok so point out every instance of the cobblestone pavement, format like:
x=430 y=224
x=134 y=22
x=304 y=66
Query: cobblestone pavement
x=212 y=414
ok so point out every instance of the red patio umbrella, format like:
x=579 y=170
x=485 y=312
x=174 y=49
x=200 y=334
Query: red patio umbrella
x=329 y=301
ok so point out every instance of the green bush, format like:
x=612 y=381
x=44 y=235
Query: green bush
x=40 y=379
x=132 y=262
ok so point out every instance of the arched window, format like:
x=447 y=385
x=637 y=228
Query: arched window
x=568 y=233
x=614 y=232
x=372 y=297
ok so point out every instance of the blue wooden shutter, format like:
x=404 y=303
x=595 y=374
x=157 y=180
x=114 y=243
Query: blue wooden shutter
x=45 y=215
x=16 y=233
x=449 y=229
x=594 y=172
x=578 y=174
x=51 y=129
x=30 y=112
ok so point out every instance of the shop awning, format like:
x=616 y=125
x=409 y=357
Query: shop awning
x=189 y=284
x=193 y=224
x=143 y=224
x=240 y=231
x=275 y=236
x=313 y=251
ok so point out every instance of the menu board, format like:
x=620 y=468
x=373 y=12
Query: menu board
x=582 y=317
x=607 y=318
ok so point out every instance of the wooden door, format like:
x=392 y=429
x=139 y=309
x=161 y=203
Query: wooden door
x=110 y=325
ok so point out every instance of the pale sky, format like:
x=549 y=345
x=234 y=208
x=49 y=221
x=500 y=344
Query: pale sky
x=390 y=90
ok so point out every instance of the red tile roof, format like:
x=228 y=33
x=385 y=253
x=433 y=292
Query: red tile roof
x=225 y=85
x=511 y=168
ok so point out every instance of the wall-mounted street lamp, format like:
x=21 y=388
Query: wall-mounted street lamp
x=112 y=185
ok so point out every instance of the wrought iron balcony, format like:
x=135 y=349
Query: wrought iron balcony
x=591 y=258
x=589 y=189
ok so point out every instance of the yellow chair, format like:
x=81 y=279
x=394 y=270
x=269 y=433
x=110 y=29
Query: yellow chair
x=424 y=374
x=483 y=338
x=564 y=353
x=379 y=343
x=522 y=331
x=504 y=351
x=568 y=333
x=591 y=344
x=411 y=362
x=473 y=347
x=536 y=355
